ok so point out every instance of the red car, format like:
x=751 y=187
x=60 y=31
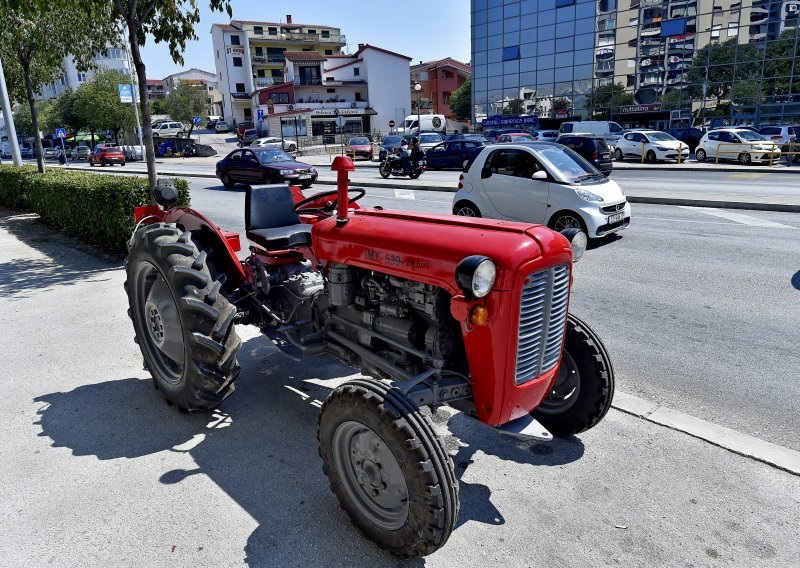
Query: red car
x=107 y=155
x=241 y=127
x=359 y=147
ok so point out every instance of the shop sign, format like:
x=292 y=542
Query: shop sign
x=337 y=112
x=656 y=107
x=498 y=120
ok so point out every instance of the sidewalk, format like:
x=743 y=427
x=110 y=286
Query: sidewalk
x=85 y=434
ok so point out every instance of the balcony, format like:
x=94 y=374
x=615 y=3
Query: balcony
x=310 y=38
x=264 y=82
x=271 y=60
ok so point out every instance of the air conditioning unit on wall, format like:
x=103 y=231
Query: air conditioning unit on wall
x=291 y=107
x=354 y=105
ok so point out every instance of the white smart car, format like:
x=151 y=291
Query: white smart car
x=653 y=144
x=542 y=182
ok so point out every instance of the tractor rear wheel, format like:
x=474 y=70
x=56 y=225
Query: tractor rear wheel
x=584 y=387
x=387 y=467
x=183 y=322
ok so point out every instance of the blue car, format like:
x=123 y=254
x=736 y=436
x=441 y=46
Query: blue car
x=454 y=154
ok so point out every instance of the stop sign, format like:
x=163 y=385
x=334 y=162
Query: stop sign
x=391 y=124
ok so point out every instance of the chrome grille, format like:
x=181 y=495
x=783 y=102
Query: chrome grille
x=618 y=208
x=542 y=316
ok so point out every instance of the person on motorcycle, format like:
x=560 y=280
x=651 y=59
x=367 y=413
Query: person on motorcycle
x=405 y=156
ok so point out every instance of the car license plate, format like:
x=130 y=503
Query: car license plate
x=304 y=176
x=615 y=218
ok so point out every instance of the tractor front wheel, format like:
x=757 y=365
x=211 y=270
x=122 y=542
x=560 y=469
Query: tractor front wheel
x=183 y=322
x=387 y=467
x=584 y=387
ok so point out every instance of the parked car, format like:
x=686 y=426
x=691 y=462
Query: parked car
x=359 y=147
x=264 y=165
x=610 y=131
x=272 y=142
x=222 y=126
x=107 y=155
x=476 y=138
x=51 y=153
x=689 y=136
x=654 y=144
x=428 y=140
x=591 y=148
x=516 y=137
x=80 y=152
x=132 y=153
x=169 y=129
x=494 y=133
x=545 y=183
x=739 y=144
x=455 y=154
x=248 y=137
x=244 y=126
x=27 y=153
x=211 y=121
x=780 y=134
x=388 y=144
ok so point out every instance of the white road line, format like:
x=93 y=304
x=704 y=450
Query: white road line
x=737 y=217
x=301 y=393
x=404 y=193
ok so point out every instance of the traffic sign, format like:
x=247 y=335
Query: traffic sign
x=125 y=93
x=61 y=133
x=340 y=121
x=261 y=114
x=197 y=119
x=391 y=124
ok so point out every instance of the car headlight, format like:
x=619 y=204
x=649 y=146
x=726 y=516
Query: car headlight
x=588 y=195
x=475 y=275
x=288 y=172
x=578 y=241
x=662 y=149
x=313 y=170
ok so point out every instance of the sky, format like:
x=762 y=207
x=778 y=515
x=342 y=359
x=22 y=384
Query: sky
x=423 y=30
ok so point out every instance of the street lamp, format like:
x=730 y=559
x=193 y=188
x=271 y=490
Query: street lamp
x=418 y=88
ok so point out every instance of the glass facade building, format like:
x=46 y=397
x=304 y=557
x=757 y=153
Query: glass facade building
x=652 y=63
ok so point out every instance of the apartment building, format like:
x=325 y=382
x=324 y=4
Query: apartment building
x=438 y=80
x=249 y=55
x=528 y=55
x=155 y=90
x=113 y=58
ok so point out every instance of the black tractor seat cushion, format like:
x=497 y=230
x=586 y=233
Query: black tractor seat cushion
x=282 y=238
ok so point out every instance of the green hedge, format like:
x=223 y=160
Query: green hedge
x=95 y=208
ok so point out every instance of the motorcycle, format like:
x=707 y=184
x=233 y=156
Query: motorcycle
x=393 y=166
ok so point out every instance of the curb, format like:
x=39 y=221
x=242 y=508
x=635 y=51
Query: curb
x=725 y=438
x=724 y=169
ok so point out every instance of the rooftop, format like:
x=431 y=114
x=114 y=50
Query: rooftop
x=303 y=56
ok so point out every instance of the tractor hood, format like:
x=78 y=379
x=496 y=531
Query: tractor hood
x=427 y=248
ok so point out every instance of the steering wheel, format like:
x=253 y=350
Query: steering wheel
x=330 y=207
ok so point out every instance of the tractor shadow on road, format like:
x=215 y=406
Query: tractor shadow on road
x=260 y=448
x=58 y=260
x=603 y=241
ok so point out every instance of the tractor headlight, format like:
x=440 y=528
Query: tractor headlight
x=578 y=241
x=475 y=275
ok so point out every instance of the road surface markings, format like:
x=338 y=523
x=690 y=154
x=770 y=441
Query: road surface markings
x=737 y=217
x=404 y=193
x=303 y=395
x=746 y=176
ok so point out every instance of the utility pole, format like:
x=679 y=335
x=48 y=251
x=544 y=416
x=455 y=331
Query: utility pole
x=9 y=119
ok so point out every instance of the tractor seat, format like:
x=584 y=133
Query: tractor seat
x=270 y=221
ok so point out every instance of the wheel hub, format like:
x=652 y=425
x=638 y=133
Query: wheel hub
x=162 y=320
x=156 y=326
x=566 y=388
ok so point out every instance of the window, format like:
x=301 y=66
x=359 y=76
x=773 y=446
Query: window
x=446 y=74
x=235 y=40
x=277 y=73
x=259 y=51
x=261 y=73
x=358 y=96
x=517 y=163
x=248 y=113
x=328 y=52
x=715 y=30
x=510 y=53
x=279 y=98
x=445 y=98
x=733 y=29
x=673 y=27
x=81 y=77
x=312 y=32
x=356 y=71
x=713 y=136
x=237 y=61
x=272 y=31
x=240 y=87
x=258 y=30
x=562 y=3
x=325 y=33
x=423 y=76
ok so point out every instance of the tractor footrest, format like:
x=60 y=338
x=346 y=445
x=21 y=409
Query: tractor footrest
x=292 y=349
x=527 y=428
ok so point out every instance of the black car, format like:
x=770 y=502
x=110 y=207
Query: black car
x=592 y=148
x=389 y=143
x=453 y=154
x=690 y=136
x=264 y=165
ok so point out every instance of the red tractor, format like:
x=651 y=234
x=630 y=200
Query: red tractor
x=436 y=309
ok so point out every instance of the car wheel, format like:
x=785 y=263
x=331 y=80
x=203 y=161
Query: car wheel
x=155 y=135
x=651 y=157
x=618 y=155
x=226 y=180
x=745 y=159
x=180 y=134
x=103 y=164
x=466 y=209
x=567 y=220
x=700 y=155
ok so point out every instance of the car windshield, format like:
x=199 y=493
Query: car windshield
x=521 y=138
x=269 y=156
x=660 y=136
x=391 y=140
x=567 y=164
x=358 y=142
x=251 y=133
x=428 y=138
x=750 y=136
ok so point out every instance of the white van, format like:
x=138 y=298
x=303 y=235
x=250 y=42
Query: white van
x=436 y=122
x=608 y=130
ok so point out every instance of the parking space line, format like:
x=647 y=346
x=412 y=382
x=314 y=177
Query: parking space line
x=737 y=217
x=404 y=193
x=746 y=176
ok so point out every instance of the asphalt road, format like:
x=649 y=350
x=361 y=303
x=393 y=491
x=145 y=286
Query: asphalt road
x=698 y=307
x=98 y=471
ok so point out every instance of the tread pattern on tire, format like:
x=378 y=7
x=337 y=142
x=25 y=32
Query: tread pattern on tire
x=434 y=467
x=207 y=317
x=580 y=418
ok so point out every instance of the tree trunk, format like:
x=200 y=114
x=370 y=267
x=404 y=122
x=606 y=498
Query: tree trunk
x=144 y=105
x=26 y=70
x=191 y=129
x=91 y=132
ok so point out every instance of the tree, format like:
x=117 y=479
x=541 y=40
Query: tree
x=604 y=99
x=674 y=100
x=185 y=102
x=35 y=40
x=561 y=105
x=513 y=107
x=778 y=59
x=168 y=21
x=100 y=107
x=159 y=107
x=461 y=101
x=23 y=119
x=67 y=111
x=746 y=93
x=719 y=65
